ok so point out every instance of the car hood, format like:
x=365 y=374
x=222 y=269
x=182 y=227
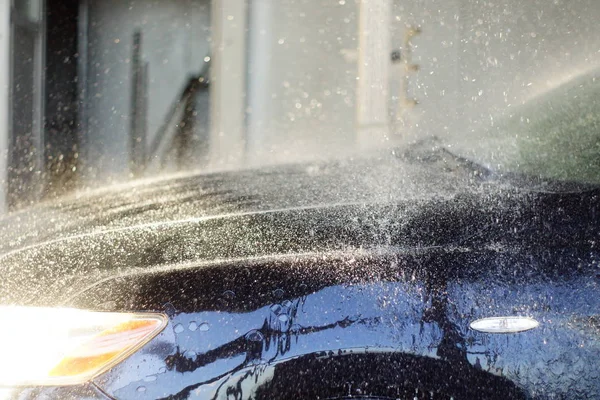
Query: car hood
x=53 y=251
x=324 y=273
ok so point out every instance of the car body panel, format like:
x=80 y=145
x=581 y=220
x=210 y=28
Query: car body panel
x=236 y=323
x=343 y=266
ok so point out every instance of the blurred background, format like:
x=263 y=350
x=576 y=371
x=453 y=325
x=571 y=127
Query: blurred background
x=97 y=91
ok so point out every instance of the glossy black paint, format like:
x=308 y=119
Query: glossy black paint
x=387 y=307
x=303 y=295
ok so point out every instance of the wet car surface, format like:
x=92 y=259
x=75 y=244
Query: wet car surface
x=361 y=281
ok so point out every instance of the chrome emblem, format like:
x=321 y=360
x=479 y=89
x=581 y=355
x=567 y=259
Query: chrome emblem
x=504 y=324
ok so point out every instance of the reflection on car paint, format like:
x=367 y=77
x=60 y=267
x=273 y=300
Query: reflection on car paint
x=388 y=317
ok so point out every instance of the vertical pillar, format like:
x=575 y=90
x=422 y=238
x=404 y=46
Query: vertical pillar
x=228 y=81
x=373 y=93
x=27 y=103
x=260 y=37
x=138 y=127
x=4 y=99
x=82 y=85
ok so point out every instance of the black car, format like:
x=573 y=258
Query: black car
x=396 y=275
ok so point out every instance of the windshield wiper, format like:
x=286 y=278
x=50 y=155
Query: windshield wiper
x=432 y=151
x=173 y=138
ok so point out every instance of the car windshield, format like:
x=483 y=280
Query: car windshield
x=105 y=91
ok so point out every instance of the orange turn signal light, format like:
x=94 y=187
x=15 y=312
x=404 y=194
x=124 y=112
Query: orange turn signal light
x=57 y=347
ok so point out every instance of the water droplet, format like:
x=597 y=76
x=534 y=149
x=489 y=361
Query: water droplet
x=150 y=378
x=229 y=295
x=193 y=326
x=190 y=354
x=162 y=370
x=558 y=368
x=109 y=305
x=141 y=389
x=178 y=328
x=170 y=310
x=258 y=361
x=276 y=309
x=283 y=317
x=254 y=336
x=278 y=293
x=204 y=327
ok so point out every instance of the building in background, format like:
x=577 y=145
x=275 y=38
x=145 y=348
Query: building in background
x=100 y=90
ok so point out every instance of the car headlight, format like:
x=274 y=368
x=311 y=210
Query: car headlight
x=63 y=346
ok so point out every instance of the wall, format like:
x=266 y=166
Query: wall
x=175 y=42
x=477 y=60
x=480 y=60
x=302 y=79
x=436 y=51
